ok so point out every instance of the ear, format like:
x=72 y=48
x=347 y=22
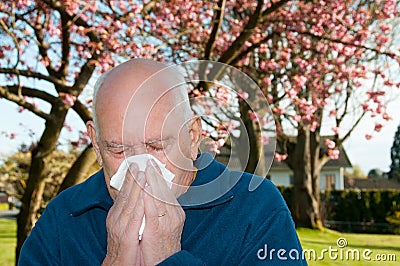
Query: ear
x=91 y=129
x=195 y=131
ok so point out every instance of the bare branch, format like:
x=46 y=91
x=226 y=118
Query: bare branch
x=30 y=74
x=6 y=29
x=82 y=111
x=30 y=92
x=341 y=140
x=21 y=102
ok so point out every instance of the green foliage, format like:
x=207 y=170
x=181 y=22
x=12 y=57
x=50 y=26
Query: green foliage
x=374 y=208
x=395 y=156
x=394 y=216
x=15 y=170
x=356 y=173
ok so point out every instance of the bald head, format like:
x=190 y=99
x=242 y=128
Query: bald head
x=142 y=106
x=136 y=82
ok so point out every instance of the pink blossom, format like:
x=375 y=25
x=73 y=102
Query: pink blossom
x=265 y=140
x=213 y=146
x=378 y=127
x=368 y=136
x=387 y=117
x=243 y=95
x=314 y=125
x=335 y=130
x=330 y=144
x=279 y=110
x=334 y=154
x=221 y=142
x=253 y=116
x=68 y=127
x=68 y=99
x=280 y=157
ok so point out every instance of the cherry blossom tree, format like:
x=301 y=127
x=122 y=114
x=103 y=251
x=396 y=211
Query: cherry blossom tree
x=58 y=45
x=321 y=65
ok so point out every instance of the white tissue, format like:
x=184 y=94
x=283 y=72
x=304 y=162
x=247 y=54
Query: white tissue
x=141 y=160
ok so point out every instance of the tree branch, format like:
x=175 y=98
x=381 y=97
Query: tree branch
x=30 y=92
x=65 y=44
x=30 y=74
x=273 y=8
x=249 y=49
x=219 y=14
x=21 y=102
x=82 y=111
x=248 y=30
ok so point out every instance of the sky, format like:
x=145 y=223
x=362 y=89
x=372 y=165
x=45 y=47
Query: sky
x=367 y=154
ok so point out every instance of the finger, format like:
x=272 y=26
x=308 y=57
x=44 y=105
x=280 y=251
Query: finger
x=136 y=218
x=123 y=195
x=127 y=198
x=151 y=212
x=151 y=209
x=159 y=186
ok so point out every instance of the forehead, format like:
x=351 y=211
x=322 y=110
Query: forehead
x=147 y=118
x=138 y=107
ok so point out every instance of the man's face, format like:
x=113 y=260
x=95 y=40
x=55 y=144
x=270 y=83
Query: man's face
x=147 y=126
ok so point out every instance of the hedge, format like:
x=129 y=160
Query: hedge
x=376 y=211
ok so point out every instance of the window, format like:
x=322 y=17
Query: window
x=330 y=182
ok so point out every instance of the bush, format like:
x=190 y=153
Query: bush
x=370 y=211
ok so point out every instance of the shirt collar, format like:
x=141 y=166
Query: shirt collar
x=212 y=186
x=93 y=193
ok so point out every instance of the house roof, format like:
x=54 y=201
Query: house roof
x=342 y=161
x=370 y=183
x=224 y=157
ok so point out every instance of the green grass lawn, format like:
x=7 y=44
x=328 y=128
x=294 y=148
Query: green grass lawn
x=8 y=229
x=382 y=248
x=382 y=245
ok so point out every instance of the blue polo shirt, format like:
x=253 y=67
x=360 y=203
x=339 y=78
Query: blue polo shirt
x=227 y=223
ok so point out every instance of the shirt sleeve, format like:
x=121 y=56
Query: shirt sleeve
x=273 y=242
x=42 y=245
x=182 y=257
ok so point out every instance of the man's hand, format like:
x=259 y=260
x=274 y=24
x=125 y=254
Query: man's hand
x=124 y=220
x=164 y=218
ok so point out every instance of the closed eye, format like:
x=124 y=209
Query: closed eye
x=155 y=147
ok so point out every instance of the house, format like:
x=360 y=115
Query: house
x=331 y=178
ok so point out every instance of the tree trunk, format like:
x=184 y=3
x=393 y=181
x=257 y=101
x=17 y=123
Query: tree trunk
x=32 y=198
x=305 y=206
x=252 y=158
x=79 y=170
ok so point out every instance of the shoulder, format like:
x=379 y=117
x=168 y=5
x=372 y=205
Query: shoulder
x=258 y=191
x=80 y=197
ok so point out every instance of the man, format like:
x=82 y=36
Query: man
x=208 y=216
